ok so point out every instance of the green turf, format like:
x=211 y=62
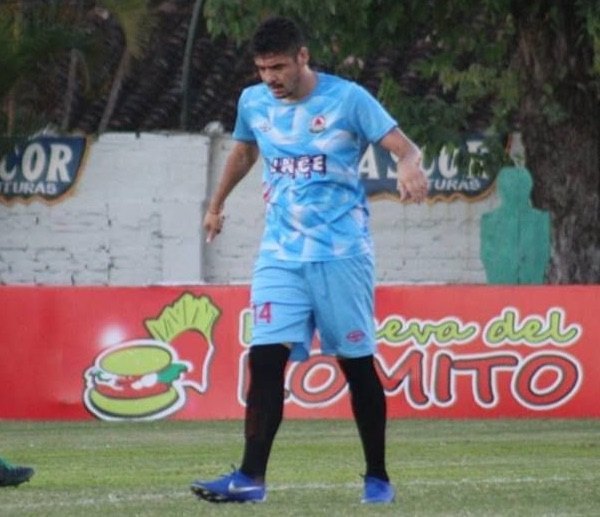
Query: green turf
x=440 y=467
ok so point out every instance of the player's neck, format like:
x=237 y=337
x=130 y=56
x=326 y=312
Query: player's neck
x=306 y=84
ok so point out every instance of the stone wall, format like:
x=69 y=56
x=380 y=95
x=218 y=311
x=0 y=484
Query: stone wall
x=134 y=218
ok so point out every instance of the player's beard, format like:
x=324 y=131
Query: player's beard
x=282 y=91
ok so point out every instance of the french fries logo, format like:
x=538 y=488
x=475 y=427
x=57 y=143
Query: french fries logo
x=145 y=379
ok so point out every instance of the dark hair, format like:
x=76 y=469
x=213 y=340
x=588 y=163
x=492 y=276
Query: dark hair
x=277 y=35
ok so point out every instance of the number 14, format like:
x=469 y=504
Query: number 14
x=262 y=313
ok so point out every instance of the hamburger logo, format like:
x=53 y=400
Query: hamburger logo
x=137 y=379
x=145 y=379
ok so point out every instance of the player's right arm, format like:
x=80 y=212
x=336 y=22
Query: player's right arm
x=238 y=164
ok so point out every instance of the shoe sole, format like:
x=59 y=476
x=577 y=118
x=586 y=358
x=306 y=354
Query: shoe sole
x=214 y=497
x=16 y=482
x=379 y=501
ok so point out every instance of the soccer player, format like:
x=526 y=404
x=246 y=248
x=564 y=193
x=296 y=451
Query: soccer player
x=314 y=269
x=12 y=475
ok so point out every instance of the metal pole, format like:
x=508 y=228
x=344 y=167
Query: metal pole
x=187 y=64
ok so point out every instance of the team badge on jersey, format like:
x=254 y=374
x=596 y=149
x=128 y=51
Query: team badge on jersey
x=317 y=124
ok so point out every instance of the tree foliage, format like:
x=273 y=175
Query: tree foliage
x=29 y=38
x=467 y=59
x=36 y=34
x=455 y=67
x=494 y=66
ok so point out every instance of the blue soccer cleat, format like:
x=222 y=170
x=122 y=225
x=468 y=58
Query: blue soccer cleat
x=230 y=488
x=377 y=491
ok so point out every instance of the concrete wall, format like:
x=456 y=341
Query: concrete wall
x=134 y=218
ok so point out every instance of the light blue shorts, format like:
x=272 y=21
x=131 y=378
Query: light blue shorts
x=290 y=300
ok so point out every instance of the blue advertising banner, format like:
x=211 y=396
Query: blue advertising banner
x=447 y=181
x=44 y=168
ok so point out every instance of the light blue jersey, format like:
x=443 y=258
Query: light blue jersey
x=316 y=208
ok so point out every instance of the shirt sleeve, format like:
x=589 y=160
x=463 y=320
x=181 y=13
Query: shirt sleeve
x=242 y=130
x=369 y=117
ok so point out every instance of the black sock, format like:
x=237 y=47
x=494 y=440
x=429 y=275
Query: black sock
x=369 y=408
x=264 y=406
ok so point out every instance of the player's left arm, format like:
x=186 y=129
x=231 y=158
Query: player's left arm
x=412 y=181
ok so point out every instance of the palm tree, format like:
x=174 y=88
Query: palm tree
x=34 y=33
x=136 y=20
x=77 y=62
x=30 y=35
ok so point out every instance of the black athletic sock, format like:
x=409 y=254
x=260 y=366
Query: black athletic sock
x=264 y=406
x=369 y=408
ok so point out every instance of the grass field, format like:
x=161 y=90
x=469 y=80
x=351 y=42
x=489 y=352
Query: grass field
x=440 y=467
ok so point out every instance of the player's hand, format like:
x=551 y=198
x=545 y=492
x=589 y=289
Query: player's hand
x=412 y=181
x=213 y=224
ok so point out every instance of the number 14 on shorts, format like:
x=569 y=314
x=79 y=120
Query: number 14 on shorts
x=262 y=312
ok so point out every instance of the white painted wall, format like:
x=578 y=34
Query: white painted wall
x=134 y=218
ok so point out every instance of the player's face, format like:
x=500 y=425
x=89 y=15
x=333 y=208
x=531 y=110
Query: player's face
x=282 y=73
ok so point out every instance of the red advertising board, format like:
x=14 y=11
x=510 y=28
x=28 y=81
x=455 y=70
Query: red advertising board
x=142 y=353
